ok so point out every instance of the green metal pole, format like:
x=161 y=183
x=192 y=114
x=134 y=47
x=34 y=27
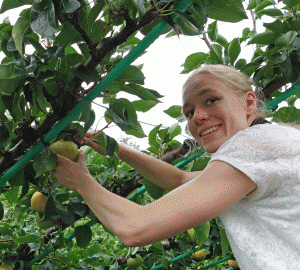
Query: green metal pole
x=184 y=255
x=291 y=91
x=105 y=82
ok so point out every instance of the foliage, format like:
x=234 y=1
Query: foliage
x=76 y=42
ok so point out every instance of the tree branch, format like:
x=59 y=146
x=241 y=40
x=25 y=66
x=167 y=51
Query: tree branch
x=204 y=37
x=105 y=47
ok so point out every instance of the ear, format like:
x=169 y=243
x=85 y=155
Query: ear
x=251 y=102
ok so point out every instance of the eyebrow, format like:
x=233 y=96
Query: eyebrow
x=201 y=93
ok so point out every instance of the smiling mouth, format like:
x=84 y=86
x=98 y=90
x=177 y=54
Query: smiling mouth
x=210 y=130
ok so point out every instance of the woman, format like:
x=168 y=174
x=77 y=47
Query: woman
x=251 y=182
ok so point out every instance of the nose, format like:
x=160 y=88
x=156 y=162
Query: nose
x=200 y=115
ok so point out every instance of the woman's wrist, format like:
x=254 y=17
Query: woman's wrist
x=85 y=181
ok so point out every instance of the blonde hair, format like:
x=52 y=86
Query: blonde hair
x=240 y=84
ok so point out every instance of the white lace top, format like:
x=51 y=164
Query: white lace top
x=264 y=228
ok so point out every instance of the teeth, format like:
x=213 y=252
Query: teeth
x=209 y=130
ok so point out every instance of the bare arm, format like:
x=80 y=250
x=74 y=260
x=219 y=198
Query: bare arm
x=211 y=193
x=157 y=171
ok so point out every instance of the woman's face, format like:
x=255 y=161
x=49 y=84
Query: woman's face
x=209 y=103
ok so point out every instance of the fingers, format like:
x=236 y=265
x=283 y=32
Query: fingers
x=90 y=143
x=80 y=157
x=91 y=133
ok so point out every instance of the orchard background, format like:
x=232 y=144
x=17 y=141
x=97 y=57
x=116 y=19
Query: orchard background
x=75 y=44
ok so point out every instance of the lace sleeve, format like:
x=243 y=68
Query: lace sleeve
x=267 y=154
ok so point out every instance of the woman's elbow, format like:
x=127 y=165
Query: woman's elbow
x=134 y=236
x=130 y=239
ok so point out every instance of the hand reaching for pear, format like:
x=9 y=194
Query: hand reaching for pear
x=71 y=170
x=71 y=174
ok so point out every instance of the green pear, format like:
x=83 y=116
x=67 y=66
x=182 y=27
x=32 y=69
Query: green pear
x=191 y=233
x=67 y=149
x=135 y=262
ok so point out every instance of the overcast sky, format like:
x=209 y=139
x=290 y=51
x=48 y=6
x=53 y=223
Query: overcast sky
x=162 y=67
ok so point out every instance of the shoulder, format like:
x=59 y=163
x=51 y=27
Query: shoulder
x=265 y=153
x=262 y=141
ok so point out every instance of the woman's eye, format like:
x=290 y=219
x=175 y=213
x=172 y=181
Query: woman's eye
x=212 y=100
x=189 y=114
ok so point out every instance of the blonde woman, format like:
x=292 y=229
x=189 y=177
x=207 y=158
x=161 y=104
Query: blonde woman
x=251 y=182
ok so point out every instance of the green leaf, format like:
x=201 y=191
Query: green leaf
x=51 y=86
x=222 y=40
x=39 y=97
x=122 y=113
x=2 y=107
x=187 y=28
x=8 y=84
x=1 y=214
x=234 y=49
x=94 y=13
x=174 y=111
x=252 y=4
x=132 y=74
x=286 y=115
x=4 y=135
x=154 y=191
x=202 y=233
x=273 y=12
x=43 y=18
x=66 y=35
x=44 y=162
x=152 y=138
x=66 y=213
x=200 y=164
x=70 y=6
x=223 y=11
x=174 y=130
x=35 y=43
x=89 y=122
x=240 y=63
x=50 y=208
x=276 y=26
x=224 y=242
x=144 y=105
x=191 y=20
x=18 y=33
x=216 y=53
x=193 y=61
x=201 y=10
x=141 y=7
x=12 y=194
x=139 y=91
x=4 y=228
x=265 y=38
x=212 y=31
x=291 y=3
x=97 y=33
x=137 y=131
x=83 y=235
x=263 y=5
x=286 y=39
x=10 y=4
x=82 y=72
x=108 y=144
x=47 y=265
x=28 y=238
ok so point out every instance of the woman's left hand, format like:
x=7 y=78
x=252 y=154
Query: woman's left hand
x=71 y=174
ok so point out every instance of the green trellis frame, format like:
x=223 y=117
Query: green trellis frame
x=111 y=76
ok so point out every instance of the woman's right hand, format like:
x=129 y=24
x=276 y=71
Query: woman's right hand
x=92 y=142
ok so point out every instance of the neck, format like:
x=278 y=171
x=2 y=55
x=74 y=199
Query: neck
x=259 y=120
